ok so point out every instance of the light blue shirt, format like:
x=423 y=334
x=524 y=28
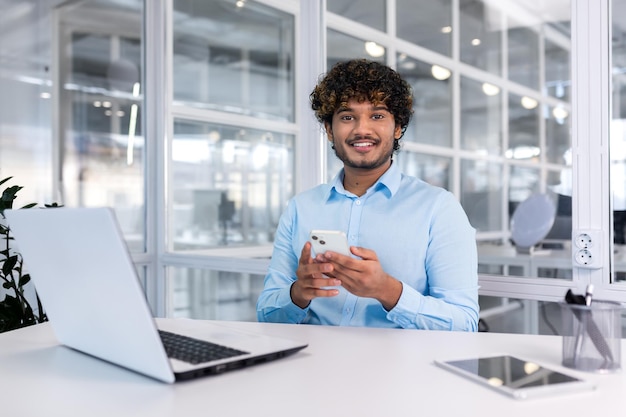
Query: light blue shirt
x=421 y=236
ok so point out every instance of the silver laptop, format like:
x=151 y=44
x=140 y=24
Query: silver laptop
x=85 y=277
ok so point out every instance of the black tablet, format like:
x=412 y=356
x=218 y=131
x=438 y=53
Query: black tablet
x=516 y=377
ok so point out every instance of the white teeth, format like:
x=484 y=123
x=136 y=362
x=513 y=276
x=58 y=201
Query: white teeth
x=360 y=145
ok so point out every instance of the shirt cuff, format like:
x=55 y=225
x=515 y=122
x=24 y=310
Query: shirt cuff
x=295 y=313
x=407 y=308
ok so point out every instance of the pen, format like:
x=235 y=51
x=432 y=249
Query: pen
x=588 y=324
x=588 y=294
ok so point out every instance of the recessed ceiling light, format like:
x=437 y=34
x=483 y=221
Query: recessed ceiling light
x=373 y=49
x=440 y=73
x=490 y=89
x=529 y=103
x=560 y=113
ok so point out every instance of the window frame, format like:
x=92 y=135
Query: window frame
x=590 y=106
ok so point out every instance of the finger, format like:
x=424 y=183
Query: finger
x=305 y=254
x=325 y=292
x=317 y=270
x=318 y=283
x=342 y=264
x=363 y=253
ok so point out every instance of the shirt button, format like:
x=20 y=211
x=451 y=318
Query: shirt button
x=358 y=202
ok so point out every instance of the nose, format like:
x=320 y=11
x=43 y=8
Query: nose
x=363 y=126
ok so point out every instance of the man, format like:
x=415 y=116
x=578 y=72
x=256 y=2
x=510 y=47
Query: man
x=413 y=263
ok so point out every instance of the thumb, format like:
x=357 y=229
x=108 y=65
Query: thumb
x=363 y=253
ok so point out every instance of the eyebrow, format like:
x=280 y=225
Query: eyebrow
x=349 y=109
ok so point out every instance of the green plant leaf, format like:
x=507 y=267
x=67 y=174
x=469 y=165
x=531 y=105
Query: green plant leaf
x=9 y=264
x=15 y=311
x=9 y=194
x=24 y=279
x=5 y=180
x=11 y=316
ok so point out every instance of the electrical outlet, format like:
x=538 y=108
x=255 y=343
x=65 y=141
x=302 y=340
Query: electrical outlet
x=584 y=257
x=587 y=250
x=584 y=241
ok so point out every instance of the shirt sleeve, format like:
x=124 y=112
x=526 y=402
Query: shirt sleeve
x=451 y=302
x=274 y=303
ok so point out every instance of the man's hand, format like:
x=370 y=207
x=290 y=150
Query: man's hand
x=313 y=277
x=364 y=277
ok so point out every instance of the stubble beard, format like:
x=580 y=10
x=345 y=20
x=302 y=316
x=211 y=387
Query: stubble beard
x=350 y=163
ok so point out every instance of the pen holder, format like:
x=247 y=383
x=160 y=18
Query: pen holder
x=592 y=336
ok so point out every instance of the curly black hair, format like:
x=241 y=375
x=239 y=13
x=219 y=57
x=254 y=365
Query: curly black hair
x=363 y=80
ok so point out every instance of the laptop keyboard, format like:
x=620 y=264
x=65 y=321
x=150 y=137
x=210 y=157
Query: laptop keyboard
x=195 y=351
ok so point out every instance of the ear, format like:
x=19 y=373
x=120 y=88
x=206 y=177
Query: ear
x=329 y=131
x=397 y=132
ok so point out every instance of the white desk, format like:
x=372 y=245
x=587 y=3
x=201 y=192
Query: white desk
x=344 y=371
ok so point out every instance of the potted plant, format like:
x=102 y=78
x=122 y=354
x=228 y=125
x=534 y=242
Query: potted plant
x=15 y=309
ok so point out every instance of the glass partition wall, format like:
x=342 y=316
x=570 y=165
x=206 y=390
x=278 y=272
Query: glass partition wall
x=199 y=162
x=491 y=120
x=71 y=118
x=618 y=136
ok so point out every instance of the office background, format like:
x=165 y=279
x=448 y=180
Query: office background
x=191 y=119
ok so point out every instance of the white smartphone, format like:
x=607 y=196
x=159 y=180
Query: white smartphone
x=329 y=240
x=516 y=377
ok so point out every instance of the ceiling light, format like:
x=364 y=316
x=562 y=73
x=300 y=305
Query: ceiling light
x=495 y=382
x=490 y=89
x=523 y=152
x=446 y=29
x=132 y=127
x=374 y=49
x=475 y=41
x=440 y=73
x=560 y=113
x=214 y=136
x=530 y=368
x=529 y=103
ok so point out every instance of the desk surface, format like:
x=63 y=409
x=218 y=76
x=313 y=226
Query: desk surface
x=344 y=371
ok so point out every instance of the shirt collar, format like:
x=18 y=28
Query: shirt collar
x=389 y=182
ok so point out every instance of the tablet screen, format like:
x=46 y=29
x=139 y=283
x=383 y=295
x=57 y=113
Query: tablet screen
x=514 y=376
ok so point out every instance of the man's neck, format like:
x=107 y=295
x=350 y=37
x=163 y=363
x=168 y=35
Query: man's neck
x=358 y=181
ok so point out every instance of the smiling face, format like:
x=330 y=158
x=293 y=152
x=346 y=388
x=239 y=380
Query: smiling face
x=363 y=135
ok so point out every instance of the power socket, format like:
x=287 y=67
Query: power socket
x=584 y=258
x=587 y=249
